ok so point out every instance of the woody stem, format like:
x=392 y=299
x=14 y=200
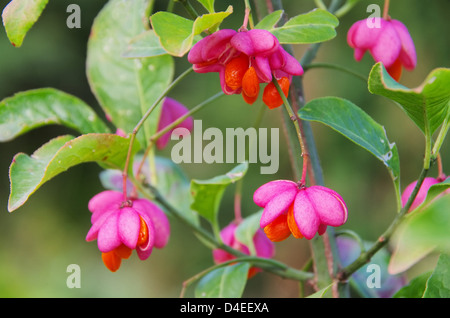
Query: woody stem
x=294 y=119
x=247 y=17
x=441 y=175
x=141 y=122
x=386 y=10
x=322 y=261
x=174 y=124
x=270 y=265
x=365 y=256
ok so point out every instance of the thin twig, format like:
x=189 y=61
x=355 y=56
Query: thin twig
x=364 y=257
x=141 y=122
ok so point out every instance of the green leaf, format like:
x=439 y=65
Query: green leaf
x=269 y=21
x=426 y=105
x=224 y=282
x=312 y=27
x=174 y=32
x=350 y=248
x=352 y=122
x=437 y=189
x=207 y=194
x=29 y=173
x=322 y=293
x=177 y=34
x=35 y=108
x=208 y=4
x=423 y=231
x=19 y=16
x=246 y=230
x=438 y=285
x=415 y=288
x=210 y=22
x=125 y=88
x=145 y=44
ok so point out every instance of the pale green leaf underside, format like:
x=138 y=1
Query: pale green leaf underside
x=35 y=108
x=19 y=16
x=29 y=173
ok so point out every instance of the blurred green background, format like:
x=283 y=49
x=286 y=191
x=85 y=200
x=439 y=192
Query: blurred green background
x=42 y=238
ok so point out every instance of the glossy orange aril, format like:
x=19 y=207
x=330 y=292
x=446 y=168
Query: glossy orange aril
x=271 y=97
x=111 y=260
x=278 y=230
x=235 y=70
x=123 y=251
x=250 y=83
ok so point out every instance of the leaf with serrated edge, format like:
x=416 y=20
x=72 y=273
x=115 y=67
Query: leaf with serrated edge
x=46 y=106
x=29 y=173
x=426 y=105
x=19 y=16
